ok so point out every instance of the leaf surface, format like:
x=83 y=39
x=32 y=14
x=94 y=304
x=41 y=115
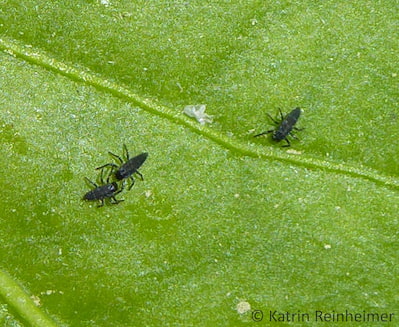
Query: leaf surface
x=221 y=219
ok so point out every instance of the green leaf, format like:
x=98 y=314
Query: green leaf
x=221 y=220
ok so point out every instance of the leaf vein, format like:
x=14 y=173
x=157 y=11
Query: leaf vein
x=12 y=47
